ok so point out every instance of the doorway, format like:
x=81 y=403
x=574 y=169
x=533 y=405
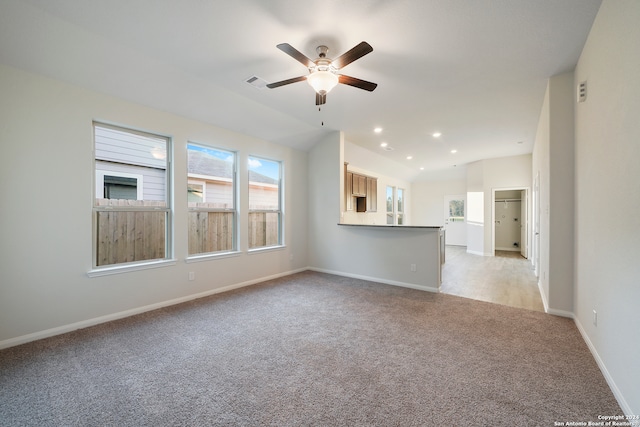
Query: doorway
x=510 y=220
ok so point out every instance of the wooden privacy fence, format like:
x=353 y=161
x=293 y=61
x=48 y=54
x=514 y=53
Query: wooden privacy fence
x=210 y=232
x=128 y=236
x=138 y=235
x=263 y=229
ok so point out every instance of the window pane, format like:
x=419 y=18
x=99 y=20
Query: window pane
x=263 y=229
x=389 y=219
x=195 y=193
x=130 y=159
x=118 y=187
x=210 y=232
x=390 y=201
x=456 y=210
x=211 y=174
x=211 y=187
x=264 y=184
x=130 y=236
x=400 y=200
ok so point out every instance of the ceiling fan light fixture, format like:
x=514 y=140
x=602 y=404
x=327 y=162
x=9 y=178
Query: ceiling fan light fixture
x=322 y=81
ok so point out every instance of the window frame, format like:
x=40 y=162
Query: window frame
x=280 y=211
x=201 y=179
x=97 y=209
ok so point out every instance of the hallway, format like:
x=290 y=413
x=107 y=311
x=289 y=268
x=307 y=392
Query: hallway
x=506 y=279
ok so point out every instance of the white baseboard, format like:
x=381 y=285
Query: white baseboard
x=122 y=314
x=547 y=309
x=508 y=249
x=475 y=252
x=561 y=313
x=378 y=280
x=605 y=372
x=545 y=303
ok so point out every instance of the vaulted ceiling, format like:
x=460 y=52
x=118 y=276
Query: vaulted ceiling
x=475 y=71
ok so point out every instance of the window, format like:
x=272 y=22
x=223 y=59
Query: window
x=395 y=206
x=131 y=205
x=265 y=203
x=390 y=213
x=211 y=197
x=400 y=202
x=456 y=210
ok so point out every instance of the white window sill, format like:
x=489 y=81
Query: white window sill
x=117 y=269
x=212 y=256
x=266 y=249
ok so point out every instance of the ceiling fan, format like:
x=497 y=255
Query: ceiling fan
x=323 y=72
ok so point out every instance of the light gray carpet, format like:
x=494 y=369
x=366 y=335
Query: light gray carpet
x=310 y=349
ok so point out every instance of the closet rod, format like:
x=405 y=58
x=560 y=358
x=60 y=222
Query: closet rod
x=508 y=200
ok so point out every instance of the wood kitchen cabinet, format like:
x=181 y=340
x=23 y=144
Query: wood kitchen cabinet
x=360 y=191
x=359 y=185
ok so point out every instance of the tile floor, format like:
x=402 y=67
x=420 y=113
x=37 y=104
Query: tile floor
x=506 y=278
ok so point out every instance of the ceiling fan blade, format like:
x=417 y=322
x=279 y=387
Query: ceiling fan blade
x=360 y=84
x=321 y=99
x=286 y=82
x=295 y=54
x=355 y=53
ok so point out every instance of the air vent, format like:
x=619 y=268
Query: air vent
x=582 y=91
x=256 y=82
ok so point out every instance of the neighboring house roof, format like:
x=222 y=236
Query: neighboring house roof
x=258 y=177
x=204 y=164
x=201 y=163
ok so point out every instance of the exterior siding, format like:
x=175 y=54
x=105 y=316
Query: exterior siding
x=154 y=182
x=114 y=145
x=263 y=196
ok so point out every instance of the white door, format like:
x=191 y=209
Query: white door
x=455 y=220
x=524 y=244
x=536 y=225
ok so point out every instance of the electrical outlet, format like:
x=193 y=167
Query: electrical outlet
x=413 y=267
x=595 y=318
x=192 y=275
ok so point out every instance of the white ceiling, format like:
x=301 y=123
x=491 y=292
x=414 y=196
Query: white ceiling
x=474 y=70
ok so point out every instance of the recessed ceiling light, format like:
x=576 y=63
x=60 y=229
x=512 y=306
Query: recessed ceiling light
x=384 y=144
x=409 y=157
x=436 y=134
x=377 y=130
x=454 y=151
x=421 y=169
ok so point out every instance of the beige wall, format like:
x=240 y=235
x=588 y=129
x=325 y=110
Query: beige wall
x=46 y=139
x=607 y=197
x=428 y=206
